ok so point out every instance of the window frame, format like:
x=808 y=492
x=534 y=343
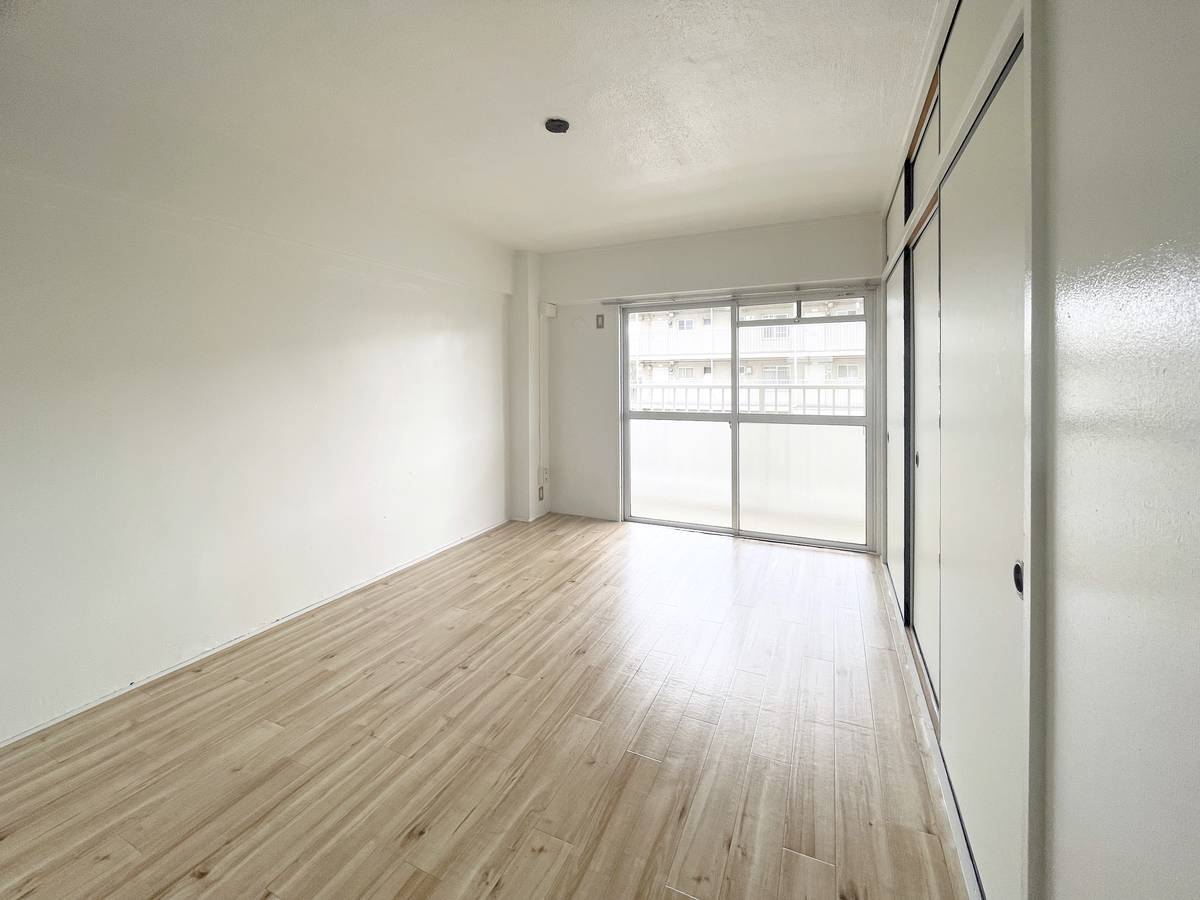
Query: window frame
x=735 y=303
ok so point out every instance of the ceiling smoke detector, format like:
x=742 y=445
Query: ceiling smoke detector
x=557 y=126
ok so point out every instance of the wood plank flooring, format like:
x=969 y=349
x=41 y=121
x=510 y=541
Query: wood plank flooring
x=568 y=708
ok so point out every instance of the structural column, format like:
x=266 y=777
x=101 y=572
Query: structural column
x=528 y=386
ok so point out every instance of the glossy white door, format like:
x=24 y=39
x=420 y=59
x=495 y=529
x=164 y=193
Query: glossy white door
x=927 y=510
x=983 y=719
x=894 y=313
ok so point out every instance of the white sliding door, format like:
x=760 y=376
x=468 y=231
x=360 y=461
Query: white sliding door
x=983 y=715
x=927 y=439
x=974 y=28
x=895 y=430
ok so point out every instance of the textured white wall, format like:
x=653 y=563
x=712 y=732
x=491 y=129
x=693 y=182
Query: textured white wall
x=233 y=381
x=584 y=406
x=1122 y=251
x=584 y=364
x=824 y=250
x=207 y=428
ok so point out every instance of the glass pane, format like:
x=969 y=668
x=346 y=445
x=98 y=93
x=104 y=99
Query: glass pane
x=813 y=370
x=680 y=471
x=805 y=481
x=845 y=306
x=767 y=311
x=679 y=360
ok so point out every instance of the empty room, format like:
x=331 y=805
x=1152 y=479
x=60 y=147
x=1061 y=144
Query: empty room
x=600 y=449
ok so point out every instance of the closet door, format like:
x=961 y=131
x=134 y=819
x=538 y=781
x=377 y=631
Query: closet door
x=975 y=25
x=895 y=430
x=927 y=509
x=984 y=723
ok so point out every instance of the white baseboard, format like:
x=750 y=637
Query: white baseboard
x=4 y=742
x=526 y=521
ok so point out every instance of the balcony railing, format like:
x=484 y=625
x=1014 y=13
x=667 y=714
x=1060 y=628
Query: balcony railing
x=778 y=399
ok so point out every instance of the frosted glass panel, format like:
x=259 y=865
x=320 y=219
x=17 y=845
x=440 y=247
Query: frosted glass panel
x=804 y=480
x=680 y=471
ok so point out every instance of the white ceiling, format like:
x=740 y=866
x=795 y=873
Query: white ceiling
x=685 y=116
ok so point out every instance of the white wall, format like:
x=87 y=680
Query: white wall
x=826 y=250
x=207 y=428
x=584 y=365
x=1122 y=256
x=584 y=405
x=232 y=382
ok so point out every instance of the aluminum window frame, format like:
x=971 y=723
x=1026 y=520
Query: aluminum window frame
x=734 y=303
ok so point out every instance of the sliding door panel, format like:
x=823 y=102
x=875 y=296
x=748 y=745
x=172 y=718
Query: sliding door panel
x=802 y=407
x=807 y=481
x=984 y=716
x=679 y=415
x=894 y=223
x=976 y=25
x=895 y=430
x=680 y=472
x=927 y=509
x=925 y=162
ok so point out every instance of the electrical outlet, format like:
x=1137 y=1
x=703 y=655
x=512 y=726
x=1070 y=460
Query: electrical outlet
x=541 y=492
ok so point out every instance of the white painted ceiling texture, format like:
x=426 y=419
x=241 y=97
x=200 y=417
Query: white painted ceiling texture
x=685 y=116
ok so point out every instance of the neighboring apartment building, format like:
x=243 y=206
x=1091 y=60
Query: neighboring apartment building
x=682 y=359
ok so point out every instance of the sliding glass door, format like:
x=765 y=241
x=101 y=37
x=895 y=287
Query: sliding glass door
x=788 y=459
x=802 y=419
x=679 y=412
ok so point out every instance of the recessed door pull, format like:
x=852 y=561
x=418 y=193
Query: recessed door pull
x=917 y=458
x=1019 y=577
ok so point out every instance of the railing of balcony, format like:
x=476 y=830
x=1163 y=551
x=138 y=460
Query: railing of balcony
x=680 y=397
x=777 y=399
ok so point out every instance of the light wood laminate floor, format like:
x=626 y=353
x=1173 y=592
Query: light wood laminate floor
x=570 y=708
